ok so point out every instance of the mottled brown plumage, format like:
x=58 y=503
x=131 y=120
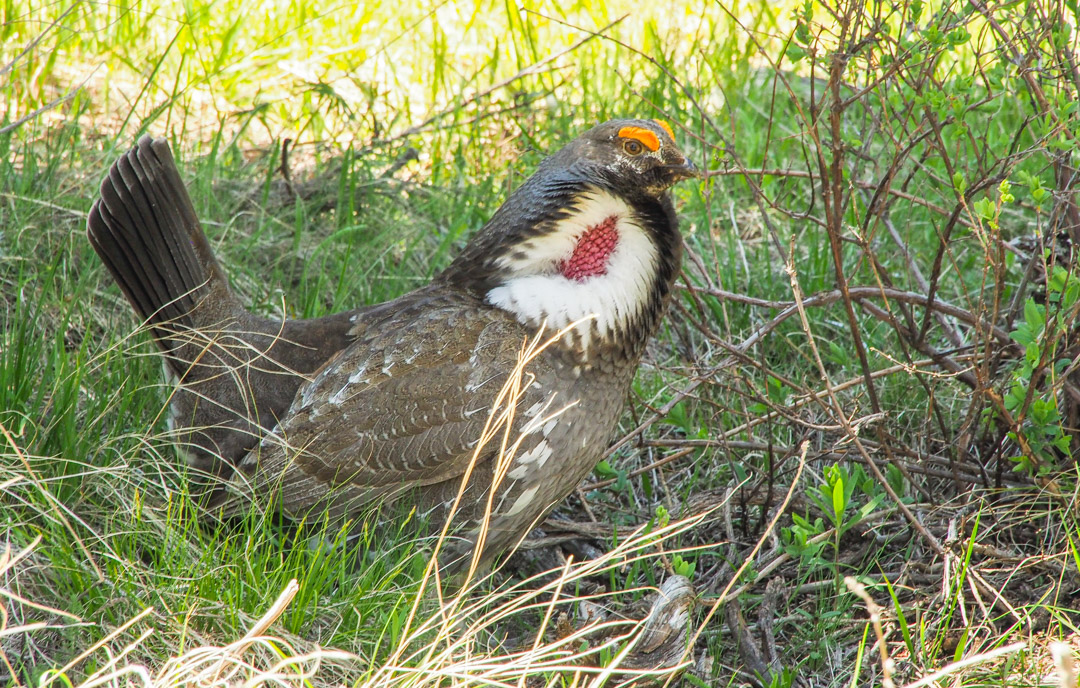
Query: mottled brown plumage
x=390 y=401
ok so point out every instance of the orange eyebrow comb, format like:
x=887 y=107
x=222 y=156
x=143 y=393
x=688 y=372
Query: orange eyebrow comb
x=642 y=136
x=666 y=127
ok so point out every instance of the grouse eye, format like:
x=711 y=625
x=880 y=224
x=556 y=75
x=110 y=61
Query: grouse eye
x=633 y=147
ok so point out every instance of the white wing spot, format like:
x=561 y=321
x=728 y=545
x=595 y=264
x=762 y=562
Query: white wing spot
x=535 y=408
x=538 y=415
x=340 y=395
x=359 y=374
x=539 y=453
x=523 y=501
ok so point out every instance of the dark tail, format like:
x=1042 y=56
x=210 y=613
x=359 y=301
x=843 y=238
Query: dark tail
x=146 y=232
x=238 y=372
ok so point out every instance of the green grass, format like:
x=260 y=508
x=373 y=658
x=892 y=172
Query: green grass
x=87 y=471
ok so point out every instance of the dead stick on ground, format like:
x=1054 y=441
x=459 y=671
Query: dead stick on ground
x=780 y=511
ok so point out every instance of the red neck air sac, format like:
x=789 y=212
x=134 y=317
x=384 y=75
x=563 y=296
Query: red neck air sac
x=590 y=257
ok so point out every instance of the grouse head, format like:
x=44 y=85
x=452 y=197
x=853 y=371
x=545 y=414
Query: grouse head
x=591 y=237
x=625 y=157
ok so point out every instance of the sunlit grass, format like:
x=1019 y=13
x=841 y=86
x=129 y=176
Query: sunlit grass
x=322 y=70
x=90 y=486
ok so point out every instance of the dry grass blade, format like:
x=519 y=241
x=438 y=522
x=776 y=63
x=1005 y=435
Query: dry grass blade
x=974 y=660
x=10 y=601
x=1065 y=664
x=888 y=666
x=447 y=646
x=254 y=660
x=55 y=506
x=446 y=649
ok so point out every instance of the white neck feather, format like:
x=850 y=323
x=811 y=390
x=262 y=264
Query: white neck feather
x=537 y=292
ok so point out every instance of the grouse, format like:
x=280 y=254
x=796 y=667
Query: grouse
x=390 y=401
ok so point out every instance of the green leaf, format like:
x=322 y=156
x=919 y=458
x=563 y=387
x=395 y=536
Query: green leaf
x=959 y=36
x=915 y=11
x=683 y=567
x=839 y=501
x=985 y=209
x=959 y=183
x=605 y=471
x=1022 y=335
x=1034 y=316
x=961 y=645
x=1004 y=192
x=1032 y=354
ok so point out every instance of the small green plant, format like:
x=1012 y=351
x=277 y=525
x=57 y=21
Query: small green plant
x=988 y=210
x=799 y=540
x=836 y=497
x=682 y=567
x=605 y=471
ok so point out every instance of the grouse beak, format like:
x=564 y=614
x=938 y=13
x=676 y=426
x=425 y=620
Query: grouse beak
x=683 y=170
